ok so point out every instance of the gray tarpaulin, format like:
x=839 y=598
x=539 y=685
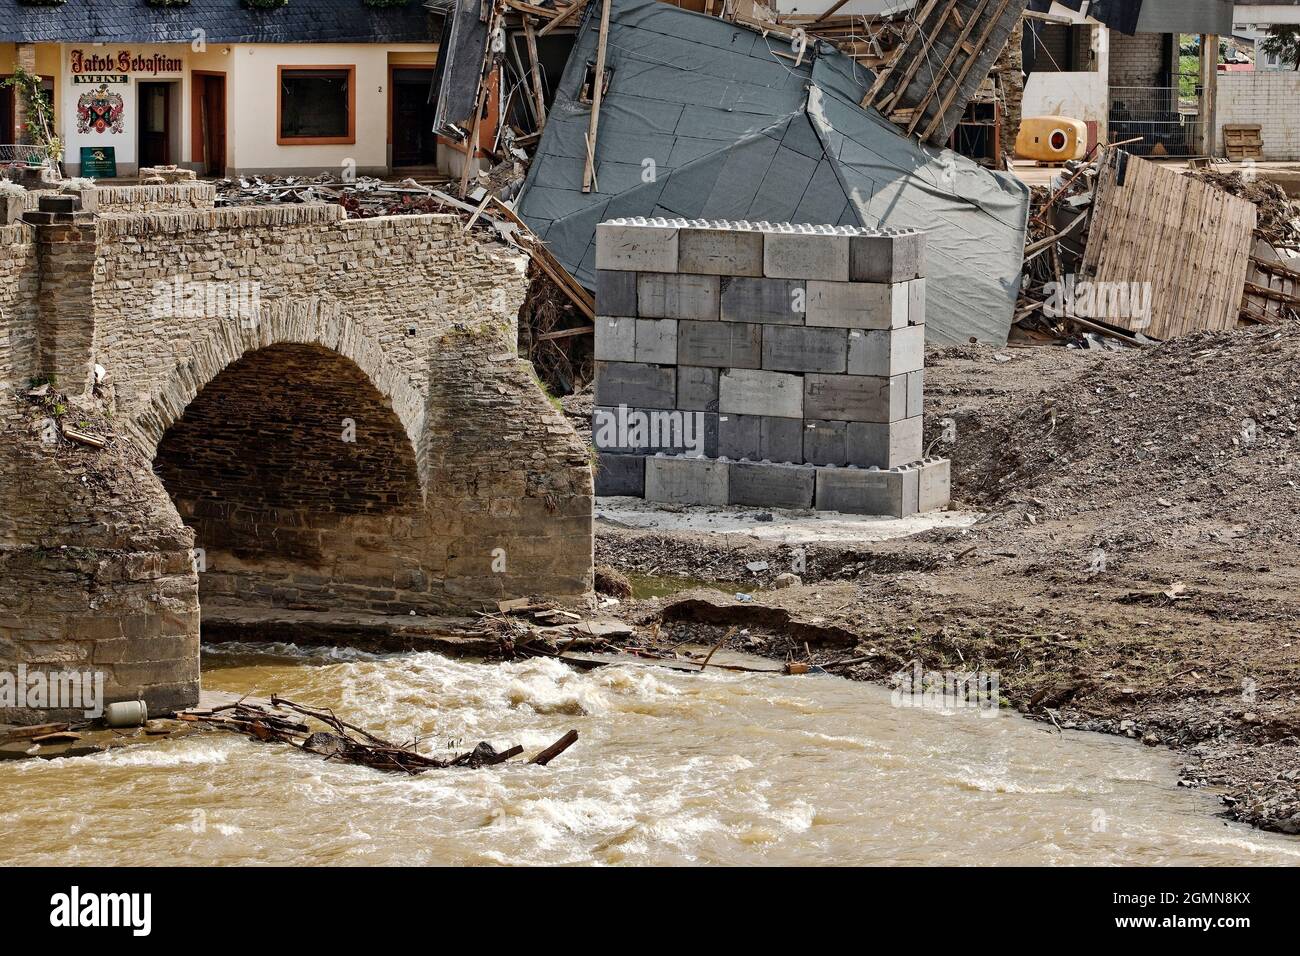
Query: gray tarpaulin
x=703 y=119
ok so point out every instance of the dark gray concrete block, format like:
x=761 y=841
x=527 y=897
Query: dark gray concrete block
x=620 y=475
x=720 y=344
x=615 y=292
x=855 y=398
x=656 y=341
x=884 y=444
x=935 y=490
x=697 y=388
x=739 y=436
x=767 y=301
x=744 y=391
x=916 y=302
x=632 y=247
x=651 y=431
x=799 y=349
x=672 y=296
x=824 y=442
x=887 y=258
x=800 y=255
x=886 y=352
x=687 y=481
x=780 y=439
x=770 y=485
x=857 y=305
x=891 y=493
x=720 y=252
x=636 y=385
x=916 y=393
x=615 y=338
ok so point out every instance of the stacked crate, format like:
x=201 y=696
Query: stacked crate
x=798 y=349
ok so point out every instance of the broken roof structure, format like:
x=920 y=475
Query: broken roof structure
x=705 y=119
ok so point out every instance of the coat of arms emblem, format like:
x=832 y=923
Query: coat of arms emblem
x=99 y=111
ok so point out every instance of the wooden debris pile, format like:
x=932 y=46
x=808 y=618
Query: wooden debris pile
x=284 y=721
x=1105 y=258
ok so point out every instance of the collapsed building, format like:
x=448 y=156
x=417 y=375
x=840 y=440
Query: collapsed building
x=700 y=118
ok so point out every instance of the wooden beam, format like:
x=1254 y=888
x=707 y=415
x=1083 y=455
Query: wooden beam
x=918 y=56
x=829 y=11
x=597 y=87
x=948 y=62
x=961 y=77
x=546 y=13
x=887 y=71
x=564 y=17
x=534 y=66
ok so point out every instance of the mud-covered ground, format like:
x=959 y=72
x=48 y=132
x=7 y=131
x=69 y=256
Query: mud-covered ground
x=1137 y=570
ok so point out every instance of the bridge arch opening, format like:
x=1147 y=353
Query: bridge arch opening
x=302 y=487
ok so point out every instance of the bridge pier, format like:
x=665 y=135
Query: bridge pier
x=363 y=440
x=66 y=251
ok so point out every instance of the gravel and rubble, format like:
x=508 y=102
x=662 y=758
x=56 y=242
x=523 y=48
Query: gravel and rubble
x=1136 y=570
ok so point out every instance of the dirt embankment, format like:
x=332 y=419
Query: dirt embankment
x=1138 y=570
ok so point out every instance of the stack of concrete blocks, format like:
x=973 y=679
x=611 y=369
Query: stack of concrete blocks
x=798 y=350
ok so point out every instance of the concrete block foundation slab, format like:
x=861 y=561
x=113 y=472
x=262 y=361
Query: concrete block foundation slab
x=620 y=475
x=687 y=481
x=771 y=485
x=869 y=491
x=935 y=486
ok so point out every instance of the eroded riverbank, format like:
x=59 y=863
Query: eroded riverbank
x=671 y=768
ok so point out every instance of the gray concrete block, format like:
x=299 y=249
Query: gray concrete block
x=615 y=338
x=824 y=443
x=771 y=485
x=739 y=436
x=744 y=391
x=697 y=388
x=891 y=256
x=628 y=246
x=767 y=301
x=656 y=341
x=650 y=431
x=720 y=344
x=636 y=385
x=799 y=349
x=916 y=393
x=801 y=255
x=868 y=491
x=916 y=302
x=667 y=295
x=856 y=305
x=615 y=292
x=780 y=439
x=884 y=444
x=687 y=481
x=935 y=485
x=886 y=352
x=720 y=252
x=855 y=398
x=620 y=475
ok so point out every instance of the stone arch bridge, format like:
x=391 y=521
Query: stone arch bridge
x=298 y=412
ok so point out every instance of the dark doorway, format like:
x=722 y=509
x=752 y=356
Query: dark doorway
x=7 y=132
x=414 y=143
x=208 y=119
x=155 y=124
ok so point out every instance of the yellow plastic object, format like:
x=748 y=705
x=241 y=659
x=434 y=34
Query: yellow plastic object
x=1052 y=139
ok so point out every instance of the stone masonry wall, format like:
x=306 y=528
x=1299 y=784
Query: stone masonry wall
x=751 y=364
x=19 y=285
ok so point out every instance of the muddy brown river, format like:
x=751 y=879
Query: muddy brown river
x=671 y=768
